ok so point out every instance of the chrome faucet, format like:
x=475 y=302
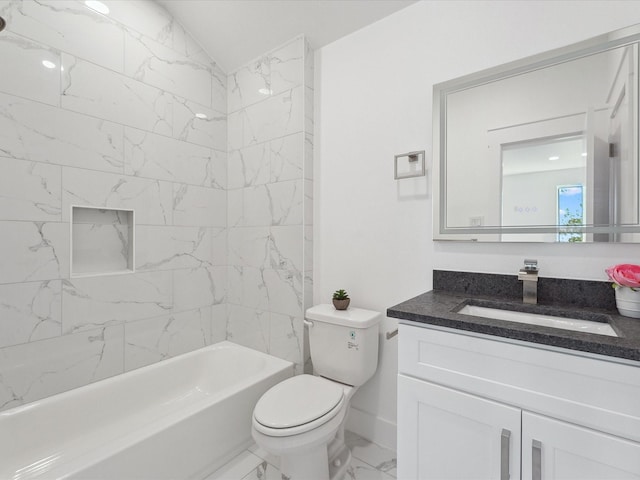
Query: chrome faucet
x=529 y=276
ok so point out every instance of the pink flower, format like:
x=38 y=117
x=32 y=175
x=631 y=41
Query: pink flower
x=625 y=275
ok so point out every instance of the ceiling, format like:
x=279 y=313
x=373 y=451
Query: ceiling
x=235 y=32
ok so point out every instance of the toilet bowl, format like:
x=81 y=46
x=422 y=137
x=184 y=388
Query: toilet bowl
x=302 y=419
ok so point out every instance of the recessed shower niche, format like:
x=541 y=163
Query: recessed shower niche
x=102 y=241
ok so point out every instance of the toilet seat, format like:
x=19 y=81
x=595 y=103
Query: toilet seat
x=297 y=405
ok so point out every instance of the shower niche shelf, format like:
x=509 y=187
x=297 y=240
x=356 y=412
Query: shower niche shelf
x=102 y=241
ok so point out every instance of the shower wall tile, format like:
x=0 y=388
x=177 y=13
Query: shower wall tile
x=30 y=191
x=96 y=91
x=155 y=156
x=34 y=251
x=287 y=67
x=169 y=248
x=35 y=370
x=308 y=156
x=38 y=82
x=92 y=302
x=219 y=242
x=151 y=199
x=117 y=128
x=270 y=199
x=199 y=287
x=218 y=323
x=286 y=202
x=308 y=202
x=308 y=109
x=287 y=157
x=235 y=130
x=286 y=248
x=162 y=67
x=249 y=246
x=285 y=290
x=253 y=290
x=144 y=16
x=152 y=340
x=249 y=166
x=29 y=312
x=218 y=89
x=199 y=206
x=68 y=26
x=249 y=84
x=198 y=124
x=286 y=337
x=308 y=248
x=33 y=131
x=308 y=65
x=235 y=208
x=249 y=327
x=276 y=117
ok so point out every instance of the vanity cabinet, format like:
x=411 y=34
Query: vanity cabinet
x=470 y=407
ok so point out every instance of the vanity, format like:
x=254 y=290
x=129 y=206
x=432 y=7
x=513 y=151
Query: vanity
x=483 y=398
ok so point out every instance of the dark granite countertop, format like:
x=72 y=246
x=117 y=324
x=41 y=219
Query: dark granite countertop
x=440 y=308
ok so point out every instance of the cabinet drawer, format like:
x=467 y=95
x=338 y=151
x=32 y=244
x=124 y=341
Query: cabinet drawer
x=596 y=393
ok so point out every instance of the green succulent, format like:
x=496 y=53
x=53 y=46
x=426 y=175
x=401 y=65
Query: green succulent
x=340 y=295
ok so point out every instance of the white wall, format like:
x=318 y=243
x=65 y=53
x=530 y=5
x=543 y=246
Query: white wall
x=373 y=100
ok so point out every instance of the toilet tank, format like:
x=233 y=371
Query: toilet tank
x=344 y=343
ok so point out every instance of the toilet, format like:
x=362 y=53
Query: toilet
x=302 y=419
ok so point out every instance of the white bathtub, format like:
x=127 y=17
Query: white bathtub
x=178 y=419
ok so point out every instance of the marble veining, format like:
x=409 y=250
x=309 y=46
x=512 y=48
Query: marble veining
x=34 y=131
x=34 y=370
x=152 y=340
x=93 y=90
x=22 y=55
x=30 y=311
x=29 y=191
x=66 y=25
x=162 y=67
x=116 y=128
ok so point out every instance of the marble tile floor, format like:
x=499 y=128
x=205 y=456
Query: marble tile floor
x=369 y=462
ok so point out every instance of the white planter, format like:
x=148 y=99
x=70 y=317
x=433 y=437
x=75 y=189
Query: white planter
x=628 y=302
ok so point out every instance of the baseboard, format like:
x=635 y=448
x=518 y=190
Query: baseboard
x=375 y=429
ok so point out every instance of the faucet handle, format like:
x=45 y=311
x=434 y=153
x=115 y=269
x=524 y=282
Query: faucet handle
x=530 y=264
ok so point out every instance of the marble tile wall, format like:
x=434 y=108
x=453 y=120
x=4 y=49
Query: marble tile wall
x=270 y=197
x=113 y=124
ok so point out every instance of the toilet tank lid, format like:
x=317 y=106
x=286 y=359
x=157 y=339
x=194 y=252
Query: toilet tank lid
x=351 y=317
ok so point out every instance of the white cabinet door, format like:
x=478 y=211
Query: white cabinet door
x=555 y=450
x=444 y=434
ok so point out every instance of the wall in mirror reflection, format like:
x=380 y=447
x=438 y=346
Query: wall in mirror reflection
x=518 y=147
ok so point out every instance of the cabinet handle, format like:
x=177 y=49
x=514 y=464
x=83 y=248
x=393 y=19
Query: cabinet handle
x=504 y=454
x=536 y=460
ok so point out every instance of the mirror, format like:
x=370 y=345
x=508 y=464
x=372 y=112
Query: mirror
x=544 y=149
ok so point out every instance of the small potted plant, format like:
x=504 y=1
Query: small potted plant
x=341 y=299
x=626 y=281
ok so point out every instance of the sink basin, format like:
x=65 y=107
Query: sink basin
x=576 y=324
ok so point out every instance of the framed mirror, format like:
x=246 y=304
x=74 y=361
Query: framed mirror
x=544 y=149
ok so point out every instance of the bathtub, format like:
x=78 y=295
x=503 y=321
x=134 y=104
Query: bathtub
x=178 y=419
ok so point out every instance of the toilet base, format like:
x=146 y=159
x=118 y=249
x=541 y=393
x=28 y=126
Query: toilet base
x=315 y=465
x=339 y=464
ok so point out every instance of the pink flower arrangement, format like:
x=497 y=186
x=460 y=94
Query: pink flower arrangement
x=624 y=275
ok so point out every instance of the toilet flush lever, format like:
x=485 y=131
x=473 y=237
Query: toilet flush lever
x=390 y=335
x=307 y=322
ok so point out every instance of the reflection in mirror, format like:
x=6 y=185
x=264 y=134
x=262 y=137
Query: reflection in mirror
x=545 y=152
